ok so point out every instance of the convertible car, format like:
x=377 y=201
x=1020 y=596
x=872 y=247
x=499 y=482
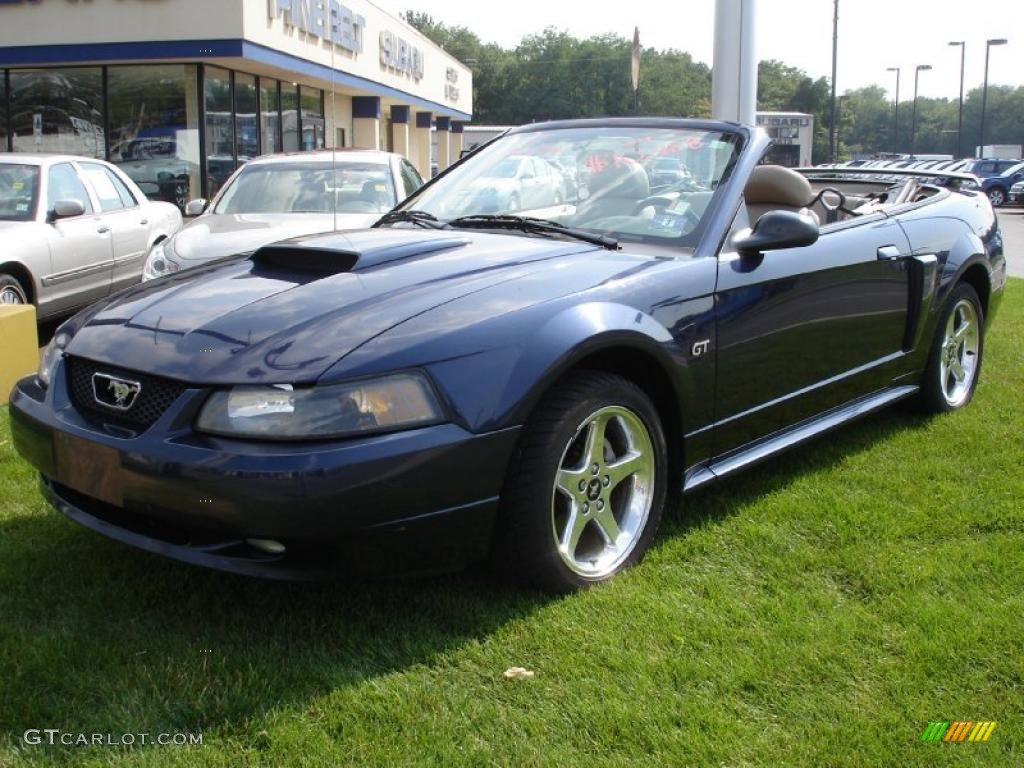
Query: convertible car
x=459 y=383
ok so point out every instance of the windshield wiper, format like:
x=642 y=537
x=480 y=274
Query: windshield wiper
x=419 y=218
x=530 y=224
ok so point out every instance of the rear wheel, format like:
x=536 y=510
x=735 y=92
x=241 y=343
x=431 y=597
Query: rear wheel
x=955 y=360
x=585 y=491
x=997 y=196
x=11 y=291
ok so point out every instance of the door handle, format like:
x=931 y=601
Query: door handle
x=144 y=222
x=103 y=230
x=889 y=252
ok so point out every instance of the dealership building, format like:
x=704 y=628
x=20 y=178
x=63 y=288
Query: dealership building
x=179 y=93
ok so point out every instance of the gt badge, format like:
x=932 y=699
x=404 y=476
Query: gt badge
x=700 y=348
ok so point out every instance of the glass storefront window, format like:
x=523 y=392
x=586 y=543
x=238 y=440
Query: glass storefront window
x=220 y=135
x=312 y=100
x=290 y=117
x=154 y=129
x=270 y=116
x=247 y=140
x=58 y=110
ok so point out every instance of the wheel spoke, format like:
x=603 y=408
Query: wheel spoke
x=962 y=331
x=594 y=450
x=574 y=526
x=569 y=481
x=957 y=369
x=608 y=526
x=625 y=468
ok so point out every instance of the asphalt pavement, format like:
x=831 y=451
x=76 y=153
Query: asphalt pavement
x=1011 y=222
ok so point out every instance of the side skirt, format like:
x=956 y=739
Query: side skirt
x=798 y=433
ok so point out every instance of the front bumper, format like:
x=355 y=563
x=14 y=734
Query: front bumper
x=419 y=500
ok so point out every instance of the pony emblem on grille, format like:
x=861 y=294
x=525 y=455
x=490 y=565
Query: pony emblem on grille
x=113 y=392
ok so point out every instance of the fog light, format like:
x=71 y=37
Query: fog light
x=269 y=546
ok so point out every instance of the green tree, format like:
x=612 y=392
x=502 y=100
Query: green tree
x=553 y=74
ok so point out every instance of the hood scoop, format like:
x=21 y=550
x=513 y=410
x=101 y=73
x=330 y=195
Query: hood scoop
x=335 y=253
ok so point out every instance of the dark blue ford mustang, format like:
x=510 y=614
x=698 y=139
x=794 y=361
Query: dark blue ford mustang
x=524 y=360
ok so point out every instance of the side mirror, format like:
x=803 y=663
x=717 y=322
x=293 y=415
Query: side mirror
x=776 y=230
x=67 y=209
x=196 y=207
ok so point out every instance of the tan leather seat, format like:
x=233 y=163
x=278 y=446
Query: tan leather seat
x=775 y=188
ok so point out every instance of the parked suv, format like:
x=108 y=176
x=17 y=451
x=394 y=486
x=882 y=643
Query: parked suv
x=987 y=167
x=998 y=187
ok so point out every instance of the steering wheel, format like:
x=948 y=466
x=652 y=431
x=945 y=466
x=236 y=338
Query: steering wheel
x=831 y=210
x=658 y=202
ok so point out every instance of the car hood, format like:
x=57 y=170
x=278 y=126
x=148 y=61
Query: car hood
x=215 y=235
x=291 y=311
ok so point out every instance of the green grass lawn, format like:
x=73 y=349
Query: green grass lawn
x=819 y=610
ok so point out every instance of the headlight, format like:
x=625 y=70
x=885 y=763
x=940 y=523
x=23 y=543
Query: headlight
x=285 y=413
x=160 y=261
x=51 y=354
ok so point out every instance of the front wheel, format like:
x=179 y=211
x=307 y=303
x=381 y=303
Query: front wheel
x=954 y=364
x=997 y=196
x=11 y=291
x=586 y=488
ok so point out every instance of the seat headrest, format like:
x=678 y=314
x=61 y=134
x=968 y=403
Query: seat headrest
x=777 y=185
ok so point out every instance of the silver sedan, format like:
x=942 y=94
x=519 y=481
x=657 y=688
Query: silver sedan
x=73 y=230
x=279 y=196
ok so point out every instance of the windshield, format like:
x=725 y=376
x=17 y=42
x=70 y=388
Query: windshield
x=19 y=188
x=608 y=179
x=306 y=187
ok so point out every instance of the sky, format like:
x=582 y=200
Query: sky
x=873 y=34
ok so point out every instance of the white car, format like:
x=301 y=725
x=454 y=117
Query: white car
x=72 y=231
x=276 y=197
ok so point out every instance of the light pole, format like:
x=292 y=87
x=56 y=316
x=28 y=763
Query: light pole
x=960 y=117
x=833 y=135
x=896 y=116
x=984 y=92
x=913 y=120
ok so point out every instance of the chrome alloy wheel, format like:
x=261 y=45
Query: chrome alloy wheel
x=958 y=356
x=603 y=492
x=10 y=295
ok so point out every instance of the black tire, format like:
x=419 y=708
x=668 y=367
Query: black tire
x=525 y=546
x=997 y=196
x=11 y=291
x=933 y=396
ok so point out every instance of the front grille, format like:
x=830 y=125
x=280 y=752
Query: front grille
x=156 y=395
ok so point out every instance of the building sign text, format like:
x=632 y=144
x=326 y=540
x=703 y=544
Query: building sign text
x=325 y=19
x=451 y=84
x=400 y=56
